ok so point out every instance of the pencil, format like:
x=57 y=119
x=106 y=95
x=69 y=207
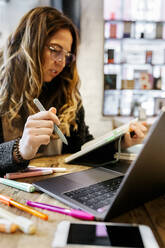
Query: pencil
x=56 y=129
x=9 y=201
x=14 y=175
x=29 y=210
x=18 y=185
x=54 y=169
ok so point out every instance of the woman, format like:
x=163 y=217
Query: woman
x=39 y=61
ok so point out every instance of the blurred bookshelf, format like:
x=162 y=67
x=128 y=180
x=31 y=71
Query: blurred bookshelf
x=134 y=57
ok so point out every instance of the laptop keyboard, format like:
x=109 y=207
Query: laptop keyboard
x=96 y=195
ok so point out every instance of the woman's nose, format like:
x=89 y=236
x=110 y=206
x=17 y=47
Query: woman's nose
x=60 y=58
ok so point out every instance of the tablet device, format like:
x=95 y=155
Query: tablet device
x=96 y=151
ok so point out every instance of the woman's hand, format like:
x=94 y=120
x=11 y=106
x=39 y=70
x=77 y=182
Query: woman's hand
x=139 y=130
x=37 y=131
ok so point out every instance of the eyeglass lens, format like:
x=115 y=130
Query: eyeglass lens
x=60 y=55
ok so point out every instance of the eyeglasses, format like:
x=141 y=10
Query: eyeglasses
x=61 y=55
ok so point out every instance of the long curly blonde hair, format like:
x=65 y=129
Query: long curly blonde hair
x=21 y=75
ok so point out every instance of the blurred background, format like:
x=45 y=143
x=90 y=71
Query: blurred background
x=121 y=60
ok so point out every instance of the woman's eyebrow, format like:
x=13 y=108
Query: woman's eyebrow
x=55 y=44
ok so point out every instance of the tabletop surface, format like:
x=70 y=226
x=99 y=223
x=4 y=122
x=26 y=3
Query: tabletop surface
x=151 y=213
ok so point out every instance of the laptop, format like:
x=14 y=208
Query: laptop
x=124 y=188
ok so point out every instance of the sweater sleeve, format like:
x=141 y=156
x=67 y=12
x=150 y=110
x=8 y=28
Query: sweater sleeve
x=7 y=164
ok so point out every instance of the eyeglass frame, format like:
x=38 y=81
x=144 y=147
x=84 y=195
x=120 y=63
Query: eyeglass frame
x=63 y=53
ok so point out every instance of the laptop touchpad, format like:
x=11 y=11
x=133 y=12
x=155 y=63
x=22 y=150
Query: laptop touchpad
x=92 y=176
x=76 y=180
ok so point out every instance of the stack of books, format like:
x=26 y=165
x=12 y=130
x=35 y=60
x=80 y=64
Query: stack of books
x=129 y=153
x=125 y=156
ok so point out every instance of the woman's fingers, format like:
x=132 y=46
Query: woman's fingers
x=138 y=129
x=29 y=146
x=135 y=135
x=45 y=115
x=53 y=110
x=40 y=131
x=40 y=124
x=37 y=131
x=127 y=140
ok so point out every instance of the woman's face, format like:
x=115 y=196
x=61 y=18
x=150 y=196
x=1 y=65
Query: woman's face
x=56 y=51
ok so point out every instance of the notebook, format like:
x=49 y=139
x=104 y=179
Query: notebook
x=93 y=153
x=142 y=181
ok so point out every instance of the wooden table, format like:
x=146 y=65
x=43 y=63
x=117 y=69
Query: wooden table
x=151 y=213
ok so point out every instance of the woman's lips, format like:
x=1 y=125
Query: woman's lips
x=54 y=72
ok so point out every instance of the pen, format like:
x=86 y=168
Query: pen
x=9 y=201
x=7 y=226
x=24 y=224
x=55 y=169
x=56 y=129
x=18 y=185
x=14 y=175
x=72 y=212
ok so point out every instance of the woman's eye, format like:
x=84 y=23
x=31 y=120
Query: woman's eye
x=54 y=51
x=57 y=49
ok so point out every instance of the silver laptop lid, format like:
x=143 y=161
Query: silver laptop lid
x=145 y=178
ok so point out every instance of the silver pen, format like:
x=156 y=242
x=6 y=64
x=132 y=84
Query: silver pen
x=56 y=129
